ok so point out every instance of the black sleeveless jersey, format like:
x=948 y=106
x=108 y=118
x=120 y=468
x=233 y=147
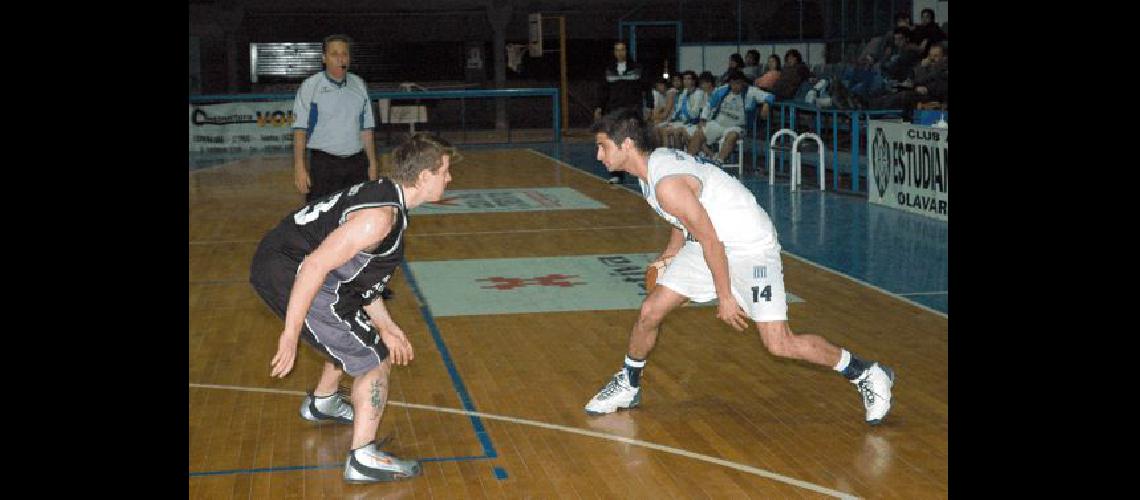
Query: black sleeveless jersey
x=360 y=280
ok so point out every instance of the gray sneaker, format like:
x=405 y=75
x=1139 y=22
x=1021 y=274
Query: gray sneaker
x=368 y=464
x=335 y=407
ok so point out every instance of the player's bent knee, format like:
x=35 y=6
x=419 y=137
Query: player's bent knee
x=776 y=338
x=651 y=314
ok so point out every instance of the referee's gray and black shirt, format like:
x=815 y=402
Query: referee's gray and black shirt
x=333 y=113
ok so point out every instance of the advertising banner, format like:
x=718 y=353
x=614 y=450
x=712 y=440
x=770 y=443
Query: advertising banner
x=909 y=168
x=242 y=127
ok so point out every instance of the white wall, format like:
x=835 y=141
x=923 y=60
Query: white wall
x=714 y=58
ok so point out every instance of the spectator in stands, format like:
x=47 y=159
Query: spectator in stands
x=675 y=132
x=676 y=85
x=899 y=65
x=794 y=74
x=732 y=107
x=928 y=32
x=735 y=62
x=771 y=74
x=881 y=47
x=625 y=87
x=706 y=83
x=751 y=67
x=932 y=76
x=931 y=84
x=654 y=106
x=333 y=146
x=657 y=111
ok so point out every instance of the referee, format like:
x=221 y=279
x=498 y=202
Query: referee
x=333 y=127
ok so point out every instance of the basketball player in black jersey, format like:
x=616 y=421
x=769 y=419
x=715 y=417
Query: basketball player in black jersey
x=322 y=270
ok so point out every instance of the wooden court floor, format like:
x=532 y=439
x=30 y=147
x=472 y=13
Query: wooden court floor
x=720 y=417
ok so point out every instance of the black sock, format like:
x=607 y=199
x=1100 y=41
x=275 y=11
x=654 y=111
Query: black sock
x=633 y=370
x=855 y=368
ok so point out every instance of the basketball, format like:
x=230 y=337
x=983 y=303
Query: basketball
x=650 y=278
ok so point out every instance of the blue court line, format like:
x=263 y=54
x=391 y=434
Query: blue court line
x=456 y=380
x=288 y=468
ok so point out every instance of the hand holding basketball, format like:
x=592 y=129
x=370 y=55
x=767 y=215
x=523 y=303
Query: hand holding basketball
x=650 y=278
x=651 y=272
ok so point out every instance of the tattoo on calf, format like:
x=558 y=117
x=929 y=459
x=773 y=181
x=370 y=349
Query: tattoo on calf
x=377 y=387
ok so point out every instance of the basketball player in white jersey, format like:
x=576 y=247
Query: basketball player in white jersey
x=723 y=246
x=686 y=116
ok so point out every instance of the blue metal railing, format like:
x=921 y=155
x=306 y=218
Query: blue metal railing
x=788 y=110
x=403 y=95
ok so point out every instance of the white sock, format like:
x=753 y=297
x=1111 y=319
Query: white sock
x=634 y=363
x=844 y=360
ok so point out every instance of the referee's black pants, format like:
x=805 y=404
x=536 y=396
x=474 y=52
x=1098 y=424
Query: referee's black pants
x=330 y=173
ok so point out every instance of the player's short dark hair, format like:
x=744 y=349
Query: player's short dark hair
x=336 y=38
x=706 y=76
x=736 y=75
x=622 y=123
x=422 y=151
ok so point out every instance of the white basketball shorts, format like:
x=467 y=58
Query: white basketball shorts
x=757 y=280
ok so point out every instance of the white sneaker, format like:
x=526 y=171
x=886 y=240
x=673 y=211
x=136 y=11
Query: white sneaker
x=874 y=386
x=367 y=464
x=616 y=395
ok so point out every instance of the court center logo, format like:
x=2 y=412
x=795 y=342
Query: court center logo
x=881 y=160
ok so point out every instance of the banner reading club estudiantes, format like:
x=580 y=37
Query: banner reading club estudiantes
x=909 y=168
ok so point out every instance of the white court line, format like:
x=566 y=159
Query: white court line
x=828 y=269
x=221 y=242
x=943 y=292
x=601 y=435
x=472 y=233
x=541 y=230
x=868 y=285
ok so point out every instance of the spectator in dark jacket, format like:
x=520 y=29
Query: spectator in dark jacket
x=898 y=65
x=625 y=87
x=735 y=63
x=928 y=33
x=881 y=47
x=931 y=84
x=932 y=76
x=794 y=74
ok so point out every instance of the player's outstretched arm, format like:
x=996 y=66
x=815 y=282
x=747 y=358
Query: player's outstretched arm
x=678 y=195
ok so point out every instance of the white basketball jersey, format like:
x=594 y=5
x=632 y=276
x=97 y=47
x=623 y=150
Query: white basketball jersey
x=731 y=111
x=738 y=219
